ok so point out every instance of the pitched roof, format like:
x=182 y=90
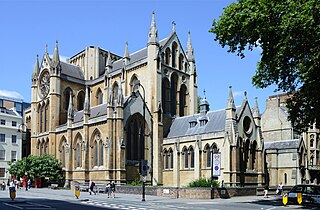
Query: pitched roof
x=71 y=70
x=95 y=111
x=181 y=125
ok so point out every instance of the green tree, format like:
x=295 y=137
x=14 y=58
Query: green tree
x=288 y=32
x=45 y=166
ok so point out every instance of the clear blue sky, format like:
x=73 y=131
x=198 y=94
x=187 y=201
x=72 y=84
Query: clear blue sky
x=27 y=26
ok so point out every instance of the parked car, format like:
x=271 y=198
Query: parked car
x=310 y=193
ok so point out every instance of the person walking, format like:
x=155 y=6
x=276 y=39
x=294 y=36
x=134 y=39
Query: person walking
x=266 y=189
x=108 y=189
x=29 y=184
x=91 y=187
x=280 y=187
x=113 y=189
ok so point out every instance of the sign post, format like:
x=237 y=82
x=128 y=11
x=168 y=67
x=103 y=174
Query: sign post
x=216 y=164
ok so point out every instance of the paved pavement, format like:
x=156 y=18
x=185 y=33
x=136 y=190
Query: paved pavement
x=133 y=201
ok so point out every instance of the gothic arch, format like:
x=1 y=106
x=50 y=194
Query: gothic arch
x=133 y=80
x=173 y=93
x=174 y=54
x=80 y=100
x=134 y=137
x=62 y=150
x=183 y=101
x=181 y=61
x=99 y=97
x=96 y=148
x=77 y=151
x=167 y=56
x=165 y=95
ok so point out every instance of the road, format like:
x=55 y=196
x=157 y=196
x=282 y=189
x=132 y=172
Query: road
x=49 y=199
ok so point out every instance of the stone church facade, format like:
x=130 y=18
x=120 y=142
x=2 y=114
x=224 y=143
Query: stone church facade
x=84 y=113
x=234 y=133
x=100 y=114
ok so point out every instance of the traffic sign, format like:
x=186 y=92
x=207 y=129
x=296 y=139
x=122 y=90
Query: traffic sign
x=216 y=164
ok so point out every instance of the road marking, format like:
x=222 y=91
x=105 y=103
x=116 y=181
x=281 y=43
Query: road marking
x=18 y=207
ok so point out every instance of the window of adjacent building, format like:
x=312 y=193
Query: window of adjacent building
x=171 y=159
x=1 y=103
x=14 y=139
x=166 y=160
x=192 y=157
x=2 y=155
x=14 y=123
x=18 y=107
x=13 y=156
x=2 y=122
x=2 y=137
x=2 y=172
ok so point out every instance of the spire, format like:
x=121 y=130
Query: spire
x=204 y=105
x=173 y=26
x=36 y=69
x=153 y=32
x=189 y=51
x=256 y=111
x=56 y=59
x=230 y=104
x=108 y=63
x=86 y=110
x=70 y=108
x=126 y=54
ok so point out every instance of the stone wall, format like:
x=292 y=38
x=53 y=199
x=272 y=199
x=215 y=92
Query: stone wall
x=187 y=192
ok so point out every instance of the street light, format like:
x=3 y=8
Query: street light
x=24 y=130
x=143 y=163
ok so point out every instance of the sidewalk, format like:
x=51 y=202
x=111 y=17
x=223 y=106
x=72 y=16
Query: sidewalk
x=69 y=195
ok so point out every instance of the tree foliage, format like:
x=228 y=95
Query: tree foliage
x=45 y=166
x=288 y=32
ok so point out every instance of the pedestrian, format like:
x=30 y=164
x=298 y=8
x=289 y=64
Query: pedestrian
x=3 y=185
x=113 y=189
x=280 y=187
x=266 y=189
x=108 y=189
x=91 y=187
x=29 y=184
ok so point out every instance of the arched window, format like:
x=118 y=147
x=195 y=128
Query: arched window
x=174 y=54
x=165 y=96
x=96 y=157
x=101 y=153
x=253 y=155
x=183 y=101
x=62 y=156
x=133 y=87
x=115 y=90
x=80 y=101
x=181 y=62
x=46 y=117
x=208 y=156
x=171 y=158
x=191 y=157
x=167 y=61
x=173 y=93
x=166 y=159
x=186 y=159
x=41 y=119
x=78 y=155
x=311 y=142
x=99 y=97
x=66 y=93
x=285 y=179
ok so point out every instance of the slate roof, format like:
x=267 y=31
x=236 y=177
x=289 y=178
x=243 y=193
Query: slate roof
x=134 y=57
x=71 y=70
x=282 y=144
x=181 y=125
x=95 y=111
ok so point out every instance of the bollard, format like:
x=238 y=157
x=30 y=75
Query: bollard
x=285 y=199
x=12 y=192
x=77 y=191
x=299 y=198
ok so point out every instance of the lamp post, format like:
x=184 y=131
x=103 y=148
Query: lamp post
x=143 y=163
x=24 y=130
